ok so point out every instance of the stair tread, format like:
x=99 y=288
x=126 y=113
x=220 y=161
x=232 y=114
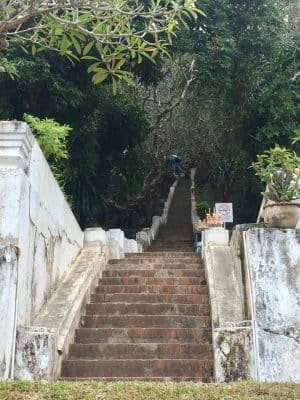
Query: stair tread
x=151 y=298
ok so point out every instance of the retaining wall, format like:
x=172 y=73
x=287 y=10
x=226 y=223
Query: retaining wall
x=47 y=264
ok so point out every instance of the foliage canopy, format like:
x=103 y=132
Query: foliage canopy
x=109 y=34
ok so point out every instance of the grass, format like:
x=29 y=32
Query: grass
x=92 y=390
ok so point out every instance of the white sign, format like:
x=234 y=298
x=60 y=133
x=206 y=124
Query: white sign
x=225 y=209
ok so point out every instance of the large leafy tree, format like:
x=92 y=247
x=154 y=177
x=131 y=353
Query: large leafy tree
x=108 y=33
x=249 y=60
x=244 y=95
x=104 y=164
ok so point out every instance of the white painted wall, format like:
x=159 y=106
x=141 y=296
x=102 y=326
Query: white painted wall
x=34 y=217
x=39 y=242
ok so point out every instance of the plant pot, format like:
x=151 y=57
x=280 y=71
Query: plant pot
x=282 y=215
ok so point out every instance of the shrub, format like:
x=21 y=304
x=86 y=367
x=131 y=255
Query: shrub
x=202 y=208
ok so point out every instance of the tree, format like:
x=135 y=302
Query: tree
x=108 y=33
x=244 y=95
x=105 y=163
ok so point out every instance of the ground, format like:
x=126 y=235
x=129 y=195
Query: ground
x=147 y=391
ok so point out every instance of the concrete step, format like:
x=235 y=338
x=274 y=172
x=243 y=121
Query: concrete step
x=143 y=335
x=161 y=379
x=165 y=248
x=147 y=309
x=173 y=241
x=145 y=321
x=172 y=245
x=158 y=289
x=154 y=273
x=150 y=298
x=160 y=254
x=142 y=264
x=137 y=280
x=137 y=368
x=140 y=351
x=174 y=238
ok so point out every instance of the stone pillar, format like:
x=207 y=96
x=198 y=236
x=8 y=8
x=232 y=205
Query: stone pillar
x=96 y=237
x=8 y=303
x=115 y=243
x=156 y=222
x=216 y=235
x=143 y=238
x=130 y=246
x=36 y=353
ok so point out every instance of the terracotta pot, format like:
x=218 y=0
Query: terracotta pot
x=282 y=215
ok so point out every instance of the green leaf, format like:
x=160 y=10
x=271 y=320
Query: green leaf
x=87 y=48
x=148 y=57
x=89 y=58
x=114 y=85
x=76 y=44
x=99 y=77
x=93 y=67
x=149 y=49
x=120 y=63
x=65 y=43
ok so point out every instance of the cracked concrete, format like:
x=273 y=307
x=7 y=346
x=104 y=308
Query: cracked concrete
x=8 y=290
x=273 y=260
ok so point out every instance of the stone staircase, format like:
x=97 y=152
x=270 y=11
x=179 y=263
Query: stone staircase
x=177 y=234
x=149 y=318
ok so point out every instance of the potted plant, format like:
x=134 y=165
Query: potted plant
x=279 y=168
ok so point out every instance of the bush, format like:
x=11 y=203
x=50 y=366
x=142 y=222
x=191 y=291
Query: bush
x=202 y=208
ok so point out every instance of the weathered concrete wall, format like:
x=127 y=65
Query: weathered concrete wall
x=273 y=262
x=8 y=302
x=34 y=216
x=42 y=290
x=36 y=219
x=233 y=352
x=41 y=347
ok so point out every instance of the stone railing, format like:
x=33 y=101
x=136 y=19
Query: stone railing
x=194 y=215
x=47 y=263
x=145 y=237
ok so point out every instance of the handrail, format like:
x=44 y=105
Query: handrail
x=194 y=215
x=147 y=235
